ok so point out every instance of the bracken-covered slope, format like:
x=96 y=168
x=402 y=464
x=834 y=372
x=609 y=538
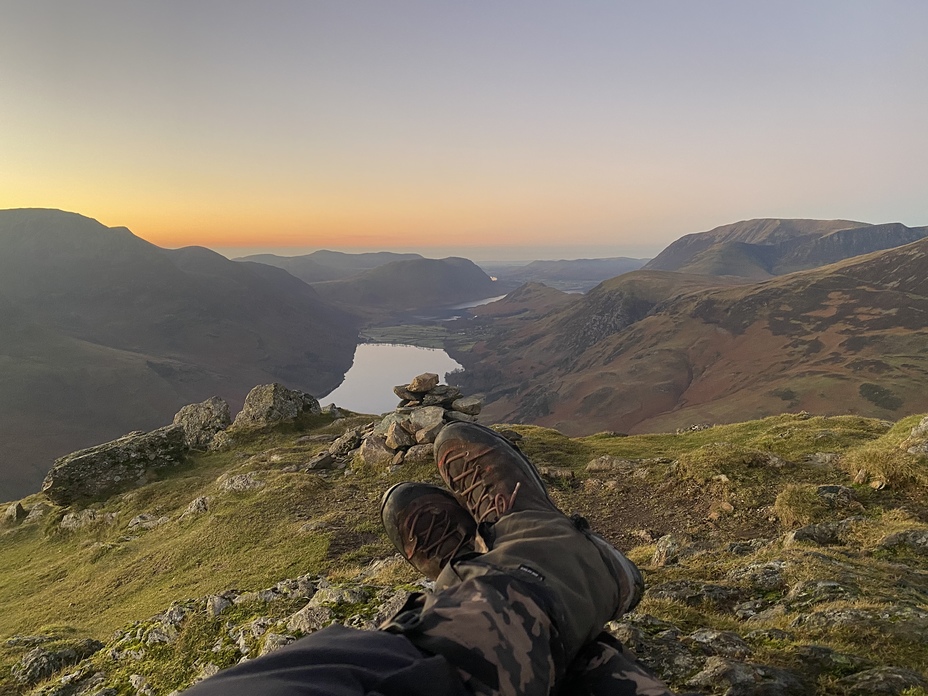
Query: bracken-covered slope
x=758 y=249
x=773 y=563
x=104 y=333
x=657 y=350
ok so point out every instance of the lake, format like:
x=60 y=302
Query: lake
x=378 y=367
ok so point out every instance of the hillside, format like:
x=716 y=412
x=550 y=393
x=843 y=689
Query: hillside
x=569 y=275
x=759 y=249
x=413 y=284
x=657 y=350
x=325 y=265
x=105 y=333
x=770 y=562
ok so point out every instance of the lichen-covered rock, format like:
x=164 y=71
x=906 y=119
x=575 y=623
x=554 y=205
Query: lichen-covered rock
x=696 y=593
x=470 y=405
x=420 y=454
x=15 y=513
x=320 y=461
x=766 y=577
x=104 y=469
x=202 y=421
x=423 y=383
x=374 y=452
x=267 y=404
x=912 y=539
x=882 y=680
x=398 y=437
x=724 y=643
x=345 y=444
x=721 y=675
x=426 y=417
x=197 y=506
x=239 y=482
x=146 y=521
x=85 y=518
x=40 y=663
x=669 y=549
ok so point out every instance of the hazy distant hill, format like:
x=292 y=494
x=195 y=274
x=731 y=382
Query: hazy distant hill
x=655 y=350
x=763 y=248
x=105 y=333
x=325 y=265
x=414 y=284
x=575 y=274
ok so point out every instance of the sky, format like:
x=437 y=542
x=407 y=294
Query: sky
x=507 y=129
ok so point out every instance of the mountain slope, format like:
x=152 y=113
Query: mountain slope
x=325 y=265
x=114 y=334
x=413 y=284
x=651 y=351
x=576 y=274
x=758 y=249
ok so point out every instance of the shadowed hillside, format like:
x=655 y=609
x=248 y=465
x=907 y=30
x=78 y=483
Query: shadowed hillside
x=413 y=284
x=106 y=333
x=328 y=265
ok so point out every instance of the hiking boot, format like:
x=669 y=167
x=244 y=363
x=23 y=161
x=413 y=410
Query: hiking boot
x=427 y=526
x=588 y=581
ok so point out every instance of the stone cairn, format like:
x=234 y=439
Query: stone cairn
x=407 y=434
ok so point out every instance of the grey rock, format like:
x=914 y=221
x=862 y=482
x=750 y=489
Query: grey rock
x=15 y=513
x=374 y=452
x=696 y=593
x=398 y=459
x=423 y=383
x=402 y=392
x=267 y=404
x=913 y=539
x=239 y=482
x=345 y=444
x=744 y=548
x=274 y=641
x=458 y=416
x=824 y=534
x=882 y=680
x=428 y=435
x=331 y=596
x=310 y=618
x=216 y=604
x=41 y=663
x=511 y=435
x=73 y=521
x=724 y=643
x=37 y=512
x=766 y=577
x=825 y=660
x=146 y=521
x=398 y=437
x=420 y=454
x=322 y=460
x=470 y=405
x=426 y=417
x=836 y=496
x=732 y=678
x=104 y=469
x=768 y=634
x=197 y=506
x=920 y=430
x=805 y=594
x=607 y=464
x=909 y=623
x=662 y=653
x=668 y=549
x=202 y=421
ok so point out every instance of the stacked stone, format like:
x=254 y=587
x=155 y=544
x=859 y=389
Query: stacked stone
x=407 y=434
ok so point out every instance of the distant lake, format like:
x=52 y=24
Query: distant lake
x=378 y=367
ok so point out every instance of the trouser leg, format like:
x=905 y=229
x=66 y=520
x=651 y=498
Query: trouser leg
x=339 y=661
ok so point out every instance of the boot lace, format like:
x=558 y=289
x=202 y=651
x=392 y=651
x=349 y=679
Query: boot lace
x=482 y=502
x=440 y=529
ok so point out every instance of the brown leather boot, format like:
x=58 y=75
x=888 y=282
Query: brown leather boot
x=427 y=526
x=588 y=580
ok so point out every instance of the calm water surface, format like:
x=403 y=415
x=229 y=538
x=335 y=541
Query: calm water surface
x=378 y=367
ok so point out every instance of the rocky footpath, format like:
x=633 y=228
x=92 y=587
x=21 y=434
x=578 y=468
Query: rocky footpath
x=770 y=570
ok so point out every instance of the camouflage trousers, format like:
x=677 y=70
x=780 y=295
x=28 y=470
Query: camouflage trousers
x=497 y=632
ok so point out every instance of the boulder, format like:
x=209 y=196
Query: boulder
x=374 y=452
x=146 y=521
x=85 y=518
x=202 y=421
x=669 y=549
x=267 y=404
x=41 y=663
x=882 y=680
x=428 y=435
x=420 y=454
x=15 y=513
x=197 y=506
x=913 y=539
x=323 y=460
x=470 y=405
x=403 y=393
x=724 y=643
x=423 y=383
x=458 y=416
x=733 y=678
x=239 y=483
x=99 y=471
x=426 y=417
x=345 y=444
x=398 y=437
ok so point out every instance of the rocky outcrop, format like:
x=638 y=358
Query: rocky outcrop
x=99 y=471
x=267 y=404
x=42 y=662
x=202 y=421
